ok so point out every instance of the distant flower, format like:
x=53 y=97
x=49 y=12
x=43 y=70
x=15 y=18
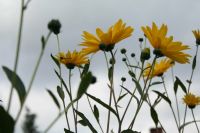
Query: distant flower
x=105 y=40
x=159 y=68
x=54 y=25
x=197 y=36
x=191 y=100
x=165 y=46
x=72 y=59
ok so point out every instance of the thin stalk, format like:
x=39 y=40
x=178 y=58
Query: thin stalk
x=189 y=85
x=176 y=99
x=144 y=94
x=32 y=78
x=93 y=113
x=17 y=52
x=195 y=120
x=70 y=89
x=170 y=104
x=67 y=120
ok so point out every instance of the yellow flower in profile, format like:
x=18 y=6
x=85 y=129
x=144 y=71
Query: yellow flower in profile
x=165 y=46
x=191 y=100
x=197 y=36
x=72 y=59
x=159 y=68
x=105 y=40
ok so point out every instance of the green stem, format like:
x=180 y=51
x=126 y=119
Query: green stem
x=73 y=109
x=195 y=120
x=17 y=52
x=32 y=78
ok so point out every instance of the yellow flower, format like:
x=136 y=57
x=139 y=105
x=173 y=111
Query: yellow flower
x=191 y=100
x=105 y=40
x=165 y=46
x=72 y=59
x=197 y=36
x=159 y=68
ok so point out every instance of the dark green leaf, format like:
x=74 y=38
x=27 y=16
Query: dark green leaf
x=55 y=60
x=179 y=83
x=61 y=92
x=67 y=131
x=139 y=88
x=129 y=131
x=54 y=98
x=102 y=103
x=110 y=73
x=16 y=83
x=131 y=74
x=96 y=112
x=6 y=122
x=82 y=122
x=85 y=69
x=154 y=116
x=156 y=83
x=194 y=62
x=86 y=121
x=121 y=97
x=163 y=96
x=85 y=82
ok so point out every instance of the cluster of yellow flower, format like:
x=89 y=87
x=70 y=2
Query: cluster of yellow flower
x=164 y=46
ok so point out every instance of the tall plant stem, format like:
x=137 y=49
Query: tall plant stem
x=17 y=52
x=33 y=77
x=195 y=120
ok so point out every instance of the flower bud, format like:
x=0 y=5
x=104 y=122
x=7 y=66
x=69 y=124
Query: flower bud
x=123 y=51
x=140 y=39
x=54 y=26
x=123 y=59
x=157 y=52
x=123 y=79
x=133 y=55
x=93 y=80
x=145 y=54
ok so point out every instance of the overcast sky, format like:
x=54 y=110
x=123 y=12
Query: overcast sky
x=181 y=16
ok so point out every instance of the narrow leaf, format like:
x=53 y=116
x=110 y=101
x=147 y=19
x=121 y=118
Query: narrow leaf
x=110 y=73
x=85 y=69
x=156 y=83
x=85 y=82
x=61 y=92
x=139 y=88
x=86 y=121
x=54 y=98
x=129 y=131
x=181 y=85
x=194 y=62
x=67 y=131
x=102 y=103
x=131 y=74
x=96 y=112
x=163 y=96
x=82 y=122
x=55 y=60
x=121 y=97
x=16 y=82
x=6 y=122
x=154 y=116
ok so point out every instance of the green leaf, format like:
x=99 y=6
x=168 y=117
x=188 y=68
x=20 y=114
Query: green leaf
x=54 y=98
x=55 y=60
x=16 y=83
x=121 y=97
x=85 y=82
x=131 y=74
x=6 y=122
x=139 y=88
x=163 y=96
x=67 y=131
x=86 y=121
x=129 y=131
x=154 y=116
x=179 y=83
x=186 y=124
x=102 y=103
x=110 y=73
x=194 y=62
x=82 y=122
x=61 y=92
x=96 y=112
x=85 y=69
x=156 y=83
